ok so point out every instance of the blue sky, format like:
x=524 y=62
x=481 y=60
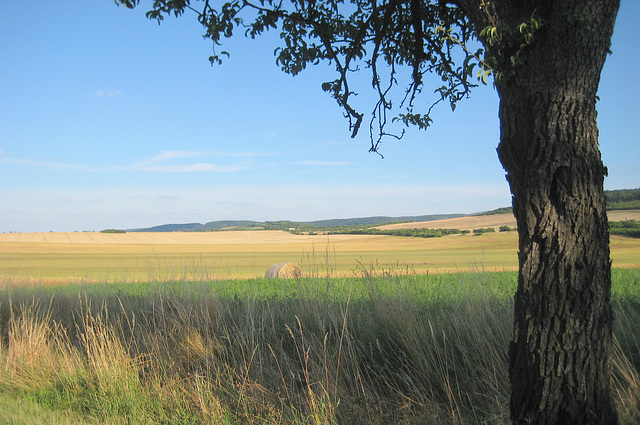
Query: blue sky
x=108 y=120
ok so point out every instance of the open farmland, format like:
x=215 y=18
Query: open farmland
x=374 y=349
x=125 y=257
x=494 y=220
x=56 y=257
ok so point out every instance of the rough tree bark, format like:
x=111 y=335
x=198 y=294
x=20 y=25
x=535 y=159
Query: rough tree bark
x=560 y=368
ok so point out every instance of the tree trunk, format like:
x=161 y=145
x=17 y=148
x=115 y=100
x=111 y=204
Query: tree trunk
x=560 y=356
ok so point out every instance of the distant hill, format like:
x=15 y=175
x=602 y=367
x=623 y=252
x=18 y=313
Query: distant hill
x=285 y=225
x=624 y=199
x=372 y=221
x=224 y=224
x=185 y=227
x=502 y=210
x=621 y=199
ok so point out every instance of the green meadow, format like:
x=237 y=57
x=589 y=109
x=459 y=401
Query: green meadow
x=377 y=347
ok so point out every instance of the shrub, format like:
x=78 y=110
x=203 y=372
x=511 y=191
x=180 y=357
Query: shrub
x=484 y=230
x=629 y=228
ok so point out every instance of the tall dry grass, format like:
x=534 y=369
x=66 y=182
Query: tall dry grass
x=195 y=357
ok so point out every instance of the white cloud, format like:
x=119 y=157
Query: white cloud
x=108 y=93
x=190 y=168
x=164 y=155
x=158 y=163
x=164 y=162
x=49 y=164
x=326 y=163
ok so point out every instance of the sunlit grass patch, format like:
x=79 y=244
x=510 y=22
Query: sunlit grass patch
x=379 y=347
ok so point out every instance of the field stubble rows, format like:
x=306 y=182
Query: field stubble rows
x=223 y=255
x=90 y=256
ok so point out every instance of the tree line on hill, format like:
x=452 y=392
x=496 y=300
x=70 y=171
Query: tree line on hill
x=306 y=226
x=625 y=228
x=616 y=200
x=621 y=199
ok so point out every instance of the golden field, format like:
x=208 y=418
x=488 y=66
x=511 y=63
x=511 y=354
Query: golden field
x=123 y=257
x=495 y=221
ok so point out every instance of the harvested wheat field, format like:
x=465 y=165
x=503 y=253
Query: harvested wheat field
x=56 y=258
x=495 y=221
x=90 y=257
x=172 y=238
x=462 y=223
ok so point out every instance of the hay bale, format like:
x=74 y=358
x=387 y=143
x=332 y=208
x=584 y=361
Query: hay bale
x=283 y=271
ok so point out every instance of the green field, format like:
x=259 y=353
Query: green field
x=376 y=348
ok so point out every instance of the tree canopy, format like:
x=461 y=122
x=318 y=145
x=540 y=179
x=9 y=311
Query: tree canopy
x=394 y=41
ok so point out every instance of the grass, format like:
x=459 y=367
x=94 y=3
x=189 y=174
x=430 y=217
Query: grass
x=378 y=347
x=27 y=412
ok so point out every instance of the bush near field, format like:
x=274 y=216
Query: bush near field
x=484 y=230
x=624 y=199
x=625 y=228
x=416 y=233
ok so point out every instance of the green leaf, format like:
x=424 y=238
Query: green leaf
x=470 y=69
x=485 y=75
